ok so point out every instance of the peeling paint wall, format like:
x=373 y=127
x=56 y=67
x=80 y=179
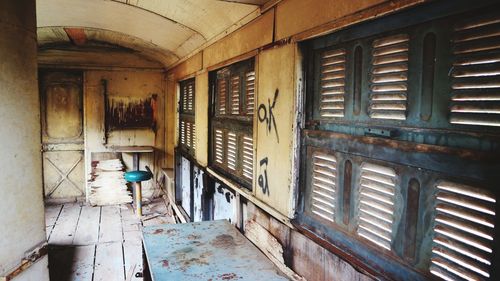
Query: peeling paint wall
x=136 y=85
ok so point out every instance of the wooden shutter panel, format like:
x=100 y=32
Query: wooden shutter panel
x=183 y=132
x=188 y=134
x=476 y=72
x=232 y=148
x=193 y=137
x=248 y=157
x=235 y=95
x=222 y=96
x=463 y=232
x=376 y=204
x=389 y=75
x=250 y=92
x=190 y=97
x=324 y=183
x=219 y=146
x=332 y=83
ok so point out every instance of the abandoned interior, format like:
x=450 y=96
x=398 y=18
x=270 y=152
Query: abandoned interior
x=249 y=140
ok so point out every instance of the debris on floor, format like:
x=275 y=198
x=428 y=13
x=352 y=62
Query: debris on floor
x=107 y=185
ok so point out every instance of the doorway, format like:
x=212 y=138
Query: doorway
x=61 y=97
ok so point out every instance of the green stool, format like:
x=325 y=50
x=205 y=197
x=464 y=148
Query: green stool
x=137 y=177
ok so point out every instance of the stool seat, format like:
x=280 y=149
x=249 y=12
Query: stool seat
x=137 y=176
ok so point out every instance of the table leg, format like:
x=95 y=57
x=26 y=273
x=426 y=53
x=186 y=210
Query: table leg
x=135 y=159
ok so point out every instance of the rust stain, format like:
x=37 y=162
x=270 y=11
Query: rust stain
x=228 y=276
x=76 y=35
x=193 y=237
x=223 y=241
x=158 y=231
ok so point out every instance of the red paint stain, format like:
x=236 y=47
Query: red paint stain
x=158 y=231
x=228 y=276
x=165 y=263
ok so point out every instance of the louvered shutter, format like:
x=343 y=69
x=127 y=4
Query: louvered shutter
x=389 y=75
x=190 y=97
x=183 y=132
x=219 y=146
x=232 y=147
x=324 y=185
x=248 y=157
x=376 y=189
x=221 y=96
x=193 y=137
x=476 y=72
x=463 y=232
x=332 y=83
x=235 y=95
x=250 y=92
x=188 y=134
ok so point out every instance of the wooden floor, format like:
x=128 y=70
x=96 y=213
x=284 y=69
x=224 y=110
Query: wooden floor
x=98 y=243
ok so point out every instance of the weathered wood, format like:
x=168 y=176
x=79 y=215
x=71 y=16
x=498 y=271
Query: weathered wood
x=132 y=253
x=51 y=214
x=64 y=230
x=270 y=246
x=111 y=225
x=87 y=231
x=109 y=262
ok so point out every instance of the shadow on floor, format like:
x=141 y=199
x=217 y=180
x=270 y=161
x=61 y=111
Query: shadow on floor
x=61 y=262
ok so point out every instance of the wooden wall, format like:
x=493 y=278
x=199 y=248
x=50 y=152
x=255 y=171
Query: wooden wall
x=272 y=39
x=132 y=84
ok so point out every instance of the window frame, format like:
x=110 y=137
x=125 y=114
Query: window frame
x=369 y=140
x=187 y=117
x=240 y=124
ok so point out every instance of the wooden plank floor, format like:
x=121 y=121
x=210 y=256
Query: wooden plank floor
x=98 y=243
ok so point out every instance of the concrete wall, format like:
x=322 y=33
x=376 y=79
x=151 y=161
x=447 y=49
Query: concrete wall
x=22 y=219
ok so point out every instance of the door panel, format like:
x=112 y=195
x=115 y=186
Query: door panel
x=62 y=135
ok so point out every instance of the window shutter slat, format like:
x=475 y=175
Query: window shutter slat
x=463 y=232
x=231 y=151
x=219 y=146
x=476 y=73
x=188 y=134
x=324 y=185
x=235 y=95
x=183 y=132
x=332 y=85
x=250 y=92
x=376 y=204
x=190 y=93
x=248 y=157
x=222 y=93
x=193 y=137
x=389 y=76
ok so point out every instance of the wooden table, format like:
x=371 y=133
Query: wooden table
x=210 y=250
x=135 y=150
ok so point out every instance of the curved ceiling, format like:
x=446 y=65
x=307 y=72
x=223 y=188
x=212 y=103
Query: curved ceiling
x=165 y=30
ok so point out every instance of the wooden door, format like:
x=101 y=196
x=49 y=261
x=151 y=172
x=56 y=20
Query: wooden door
x=62 y=135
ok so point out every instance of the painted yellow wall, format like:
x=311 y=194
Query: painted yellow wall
x=201 y=118
x=295 y=16
x=124 y=83
x=276 y=72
